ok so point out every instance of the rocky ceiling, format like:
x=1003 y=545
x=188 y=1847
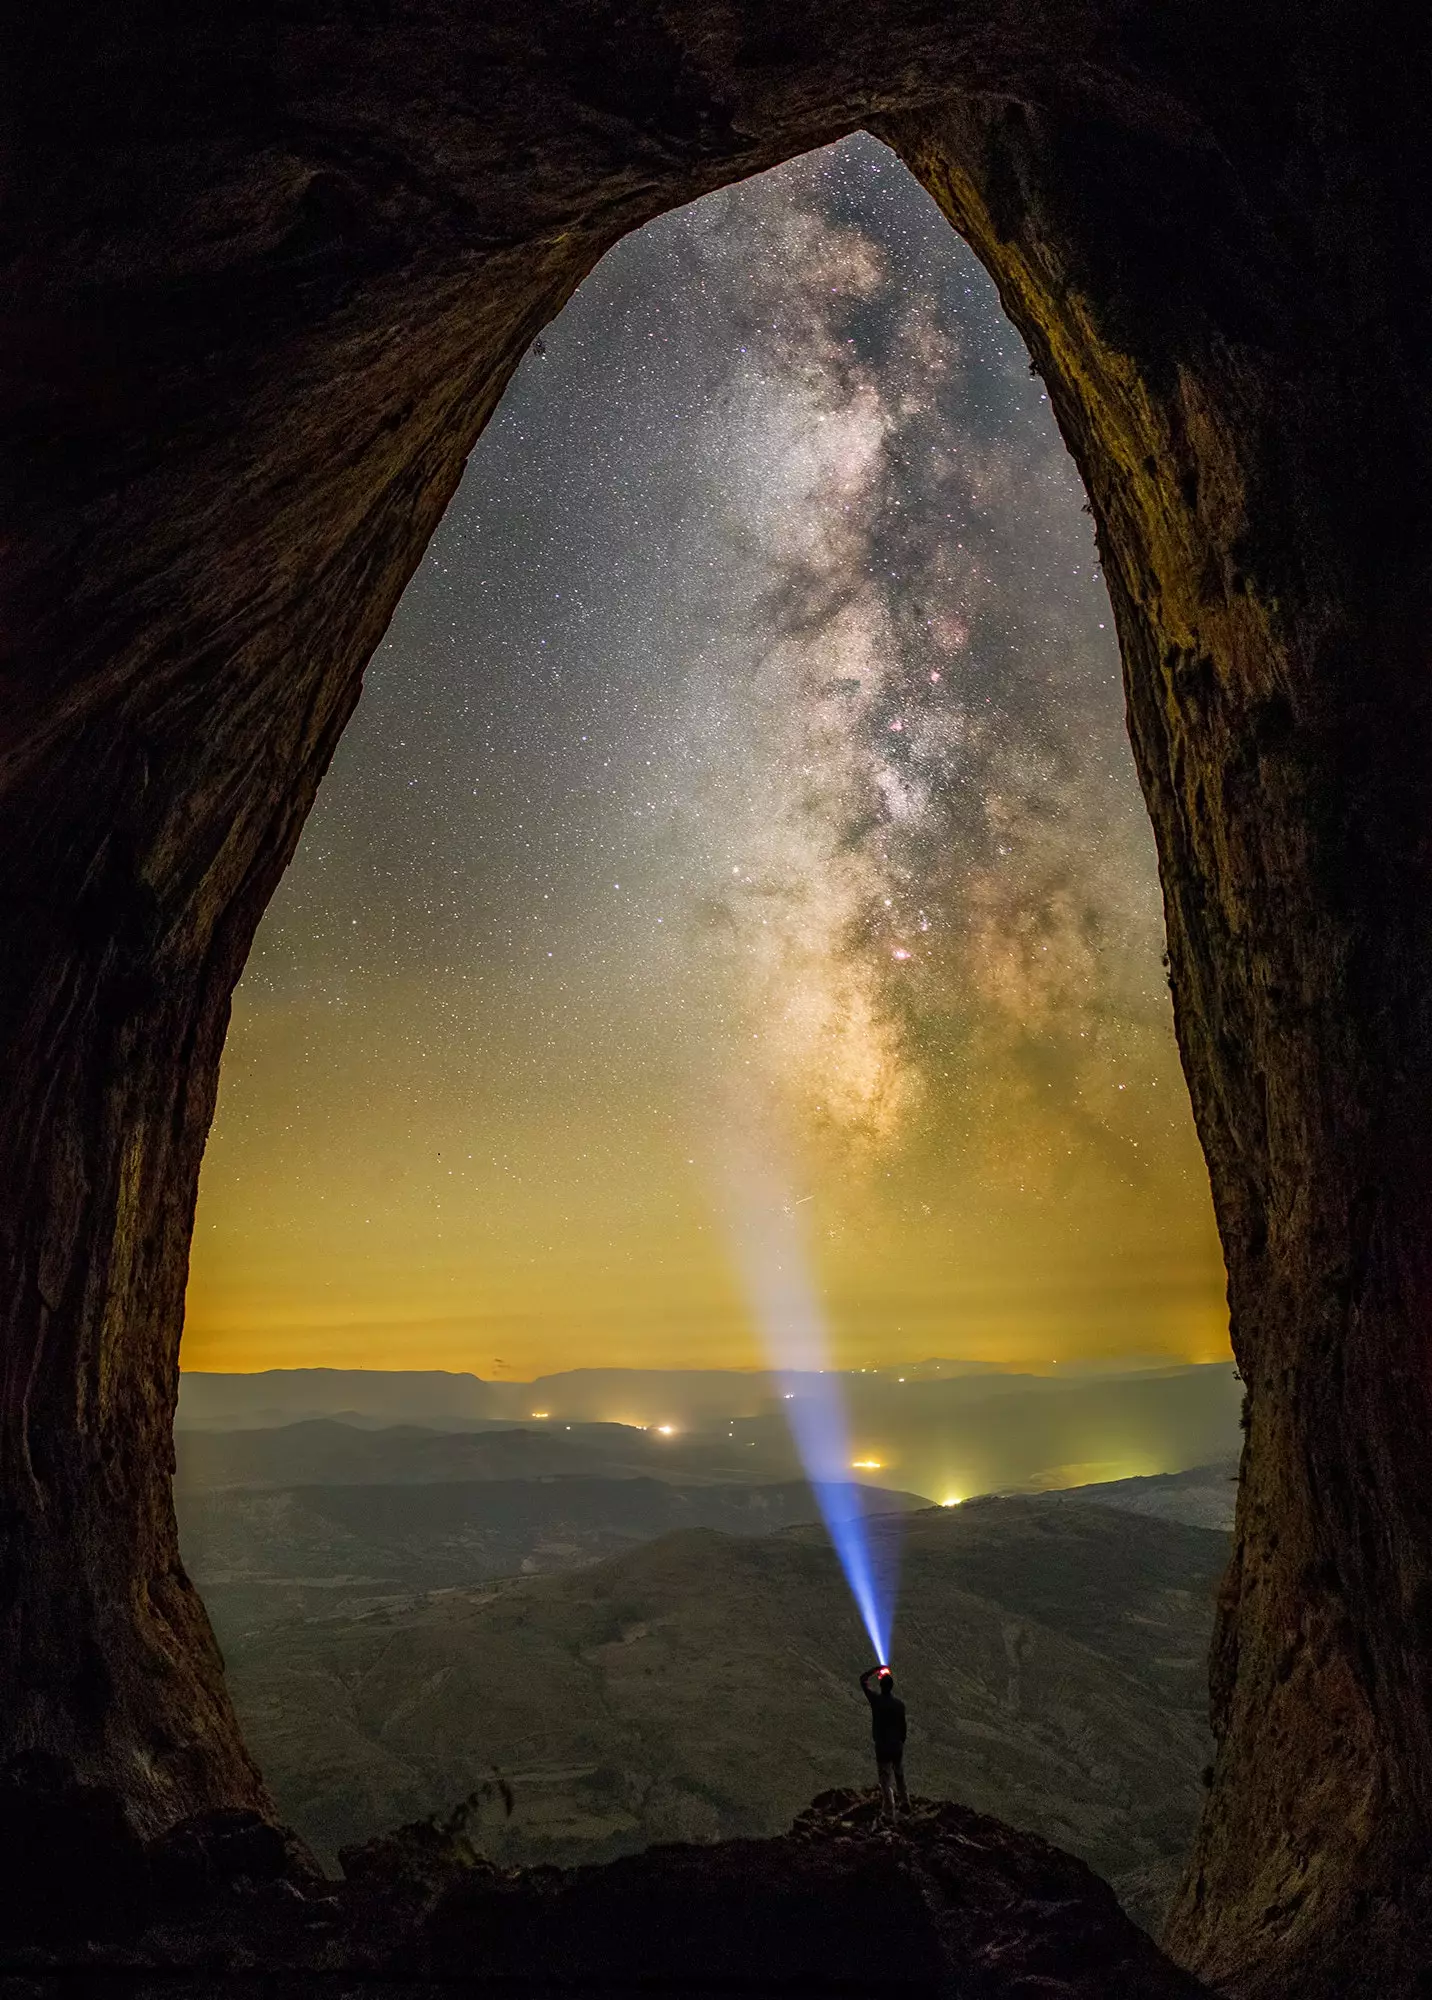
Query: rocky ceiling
x=267 y=270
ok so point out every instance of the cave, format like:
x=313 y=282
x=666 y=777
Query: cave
x=268 y=273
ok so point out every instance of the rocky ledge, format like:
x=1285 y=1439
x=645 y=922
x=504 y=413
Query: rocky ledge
x=949 y=1903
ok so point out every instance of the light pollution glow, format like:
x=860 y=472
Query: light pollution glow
x=747 y=755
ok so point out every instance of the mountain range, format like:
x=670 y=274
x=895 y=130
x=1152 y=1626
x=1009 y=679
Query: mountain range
x=932 y=1428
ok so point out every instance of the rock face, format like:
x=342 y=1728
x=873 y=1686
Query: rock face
x=1260 y=533
x=950 y=1904
x=266 y=275
x=953 y=1903
x=79 y=1881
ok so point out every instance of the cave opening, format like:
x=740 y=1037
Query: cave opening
x=744 y=775
x=759 y=691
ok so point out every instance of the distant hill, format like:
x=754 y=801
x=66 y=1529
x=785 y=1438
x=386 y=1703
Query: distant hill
x=701 y=1397
x=701 y=1685
x=1205 y=1496
x=435 y=1396
x=323 y=1451
x=286 y=1395
x=261 y=1553
x=947 y=1435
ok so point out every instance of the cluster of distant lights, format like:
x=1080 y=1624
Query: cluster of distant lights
x=856 y=1464
x=662 y=1430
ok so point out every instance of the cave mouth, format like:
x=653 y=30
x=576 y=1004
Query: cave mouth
x=325 y=250
x=772 y=551
x=758 y=692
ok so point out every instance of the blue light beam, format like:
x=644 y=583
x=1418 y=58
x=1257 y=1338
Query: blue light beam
x=772 y=1256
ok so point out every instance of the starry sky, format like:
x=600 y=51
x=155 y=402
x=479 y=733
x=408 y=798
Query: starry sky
x=738 y=811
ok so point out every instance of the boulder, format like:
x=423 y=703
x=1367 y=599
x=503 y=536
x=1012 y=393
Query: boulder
x=947 y=1902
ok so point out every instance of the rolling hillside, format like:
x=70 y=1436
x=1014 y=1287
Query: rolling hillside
x=264 y=1553
x=702 y=1685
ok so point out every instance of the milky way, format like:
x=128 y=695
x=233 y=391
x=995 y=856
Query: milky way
x=744 y=774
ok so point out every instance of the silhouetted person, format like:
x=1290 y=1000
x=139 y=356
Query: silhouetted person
x=887 y=1726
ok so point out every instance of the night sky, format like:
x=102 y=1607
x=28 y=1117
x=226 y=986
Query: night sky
x=739 y=809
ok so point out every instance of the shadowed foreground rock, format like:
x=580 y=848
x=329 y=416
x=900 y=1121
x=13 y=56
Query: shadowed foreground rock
x=953 y=1904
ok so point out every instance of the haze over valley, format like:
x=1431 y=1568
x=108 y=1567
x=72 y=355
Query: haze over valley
x=939 y=1429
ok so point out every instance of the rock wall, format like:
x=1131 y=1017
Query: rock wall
x=266 y=275
x=1229 y=320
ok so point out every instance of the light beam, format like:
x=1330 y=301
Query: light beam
x=770 y=1250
